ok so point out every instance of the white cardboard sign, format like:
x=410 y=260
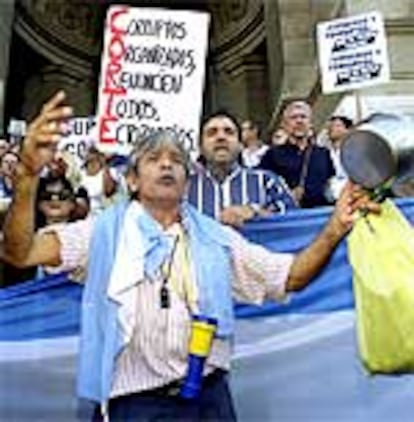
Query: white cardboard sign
x=152 y=76
x=78 y=137
x=352 y=52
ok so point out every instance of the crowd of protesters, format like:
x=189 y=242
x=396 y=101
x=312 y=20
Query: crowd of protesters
x=239 y=174
x=283 y=156
x=155 y=264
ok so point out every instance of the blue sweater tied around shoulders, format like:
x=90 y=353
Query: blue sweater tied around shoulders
x=101 y=336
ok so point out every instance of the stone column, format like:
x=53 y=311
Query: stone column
x=244 y=89
x=256 y=78
x=238 y=67
x=274 y=47
x=293 y=51
x=6 y=24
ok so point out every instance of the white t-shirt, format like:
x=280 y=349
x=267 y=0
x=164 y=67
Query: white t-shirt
x=95 y=188
x=252 y=157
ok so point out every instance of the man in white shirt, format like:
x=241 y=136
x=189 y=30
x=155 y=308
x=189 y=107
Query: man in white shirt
x=153 y=263
x=338 y=127
x=254 y=148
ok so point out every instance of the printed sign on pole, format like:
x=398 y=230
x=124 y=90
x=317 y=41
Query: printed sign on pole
x=152 y=76
x=352 y=52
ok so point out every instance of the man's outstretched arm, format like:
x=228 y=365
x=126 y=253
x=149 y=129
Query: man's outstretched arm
x=22 y=246
x=309 y=262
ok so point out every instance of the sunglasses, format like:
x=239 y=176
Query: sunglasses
x=63 y=195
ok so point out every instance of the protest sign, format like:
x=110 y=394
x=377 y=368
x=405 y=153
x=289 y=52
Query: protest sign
x=352 y=52
x=78 y=137
x=152 y=76
x=16 y=131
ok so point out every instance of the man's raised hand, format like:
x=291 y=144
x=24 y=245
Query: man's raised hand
x=44 y=133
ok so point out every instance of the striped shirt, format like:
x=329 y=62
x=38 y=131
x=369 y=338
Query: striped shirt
x=242 y=186
x=157 y=353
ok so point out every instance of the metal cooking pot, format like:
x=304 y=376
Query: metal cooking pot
x=379 y=153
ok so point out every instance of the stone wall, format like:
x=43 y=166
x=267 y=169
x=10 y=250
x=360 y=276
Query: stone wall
x=398 y=94
x=68 y=35
x=262 y=52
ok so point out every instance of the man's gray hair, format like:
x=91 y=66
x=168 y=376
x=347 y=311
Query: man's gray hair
x=291 y=105
x=156 y=141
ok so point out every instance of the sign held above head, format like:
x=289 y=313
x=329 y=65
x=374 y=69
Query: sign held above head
x=352 y=53
x=152 y=76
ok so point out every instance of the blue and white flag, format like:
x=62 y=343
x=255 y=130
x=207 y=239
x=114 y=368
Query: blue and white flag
x=293 y=362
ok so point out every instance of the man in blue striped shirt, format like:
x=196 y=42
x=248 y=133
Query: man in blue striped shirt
x=222 y=188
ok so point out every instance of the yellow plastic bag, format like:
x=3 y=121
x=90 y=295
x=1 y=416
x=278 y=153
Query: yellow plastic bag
x=381 y=252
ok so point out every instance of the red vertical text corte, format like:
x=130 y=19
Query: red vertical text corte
x=115 y=52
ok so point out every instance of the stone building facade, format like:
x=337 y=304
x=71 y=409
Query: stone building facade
x=262 y=52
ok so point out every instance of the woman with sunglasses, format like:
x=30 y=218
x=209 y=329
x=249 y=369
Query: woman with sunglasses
x=56 y=203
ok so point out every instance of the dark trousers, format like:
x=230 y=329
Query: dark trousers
x=213 y=404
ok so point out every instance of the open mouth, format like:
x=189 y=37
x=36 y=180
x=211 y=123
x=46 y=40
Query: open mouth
x=167 y=179
x=221 y=148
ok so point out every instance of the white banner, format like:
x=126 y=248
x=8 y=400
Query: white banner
x=152 y=76
x=352 y=52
